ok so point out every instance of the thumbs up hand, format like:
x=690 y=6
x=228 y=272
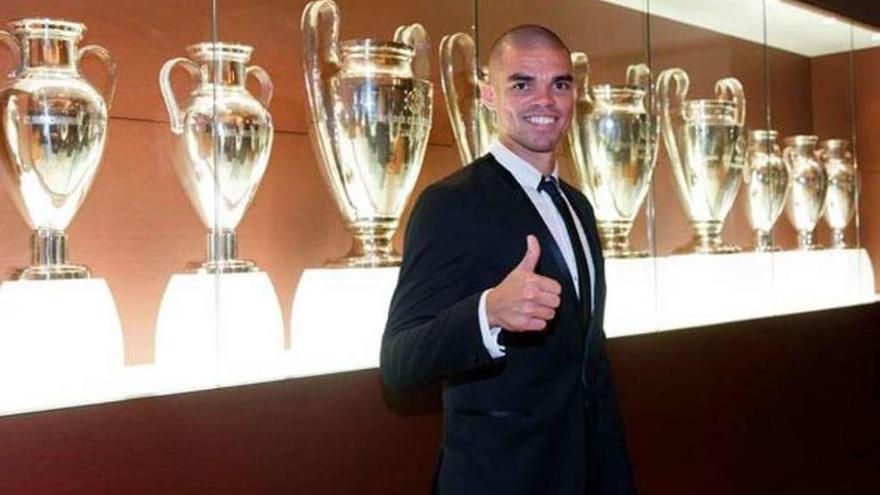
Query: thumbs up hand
x=524 y=301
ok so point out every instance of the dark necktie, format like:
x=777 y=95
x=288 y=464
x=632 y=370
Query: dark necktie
x=549 y=185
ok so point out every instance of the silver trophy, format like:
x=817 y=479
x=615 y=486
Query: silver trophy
x=766 y=179
x=370 y=106
x=224 y=138
x=806 y=199
x=473 y=123
x=705 y=141
x=54 y=128
x=840 y=199
x=613 y=144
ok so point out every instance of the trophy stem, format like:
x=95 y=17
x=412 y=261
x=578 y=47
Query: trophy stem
x=223 y=254
x=372 y=248
x=838 y=239
x=806 y=241
x=707 y=240
x=49 y=258
x=615 y=240
x=763 y=242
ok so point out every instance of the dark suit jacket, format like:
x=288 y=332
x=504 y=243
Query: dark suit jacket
x=544 y=418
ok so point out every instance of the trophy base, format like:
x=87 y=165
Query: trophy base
x=372 y=247
x=364 y=261
x=227 y=266
x=766 y=249
x=615 y=240
x=707 y=240
x=55 y=272
x=624 y=253
x=811 y=247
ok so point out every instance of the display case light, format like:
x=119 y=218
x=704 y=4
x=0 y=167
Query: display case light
x=218 y=329
x=61 y=344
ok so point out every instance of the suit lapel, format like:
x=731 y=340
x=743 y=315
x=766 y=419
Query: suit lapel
x=524 y=210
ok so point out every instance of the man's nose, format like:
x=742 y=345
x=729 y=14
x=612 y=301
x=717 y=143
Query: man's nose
x=544 y=96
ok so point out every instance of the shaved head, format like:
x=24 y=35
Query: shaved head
x=523 y=37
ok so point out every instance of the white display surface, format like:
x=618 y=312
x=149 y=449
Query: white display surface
x=338 y=315
x=61 y=344
x=218 y=330
x=337 y=319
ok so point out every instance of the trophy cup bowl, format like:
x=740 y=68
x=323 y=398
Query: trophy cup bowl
x=806 y=199
x=706 y=146
x=223 y=137
x=766 y=179
x=54 y=128
x=473 y=124
x=612 y=140
x=840 y=200
x=370 y=107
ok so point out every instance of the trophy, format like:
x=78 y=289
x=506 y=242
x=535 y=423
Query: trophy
x=613 y=141
x=806 y=198
x=473 y=124
x=54 y=127
x=766 y=179
x=840 y=200
x=224 y=138
x=370 y=106
x=706 y=146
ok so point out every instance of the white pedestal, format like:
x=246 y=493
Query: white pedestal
x=337 y=319
x=61 y=344
x=218 y=330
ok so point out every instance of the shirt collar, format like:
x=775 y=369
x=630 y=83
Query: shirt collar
x=525 y=173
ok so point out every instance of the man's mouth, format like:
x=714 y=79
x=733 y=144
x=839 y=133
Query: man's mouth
x=541 y=119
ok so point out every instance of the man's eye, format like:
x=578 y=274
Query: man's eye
x=519 y=86
x=563 y=85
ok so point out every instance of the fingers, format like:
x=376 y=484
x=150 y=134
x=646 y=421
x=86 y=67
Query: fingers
x=533 y=252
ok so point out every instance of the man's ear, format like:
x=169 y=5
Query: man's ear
x=487 y=95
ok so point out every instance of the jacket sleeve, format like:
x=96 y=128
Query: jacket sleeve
x=433 y=329
x=613 y=470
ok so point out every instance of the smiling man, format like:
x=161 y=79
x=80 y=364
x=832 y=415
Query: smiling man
x=501 y=297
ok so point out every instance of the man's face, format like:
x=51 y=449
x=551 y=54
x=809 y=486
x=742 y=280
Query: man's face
x=531 y=90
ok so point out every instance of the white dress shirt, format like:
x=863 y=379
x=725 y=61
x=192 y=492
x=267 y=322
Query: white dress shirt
x=529 y=178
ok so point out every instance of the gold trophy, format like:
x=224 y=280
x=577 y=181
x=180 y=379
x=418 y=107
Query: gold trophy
x=840 y=200
x=224 y=139
x=613 y=143
x=54 y=127
x=706 y=145
x=766 y=180
x=473 y=124
x=806 y=199
x=370 y=107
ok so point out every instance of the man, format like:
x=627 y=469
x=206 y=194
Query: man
x=501 y=296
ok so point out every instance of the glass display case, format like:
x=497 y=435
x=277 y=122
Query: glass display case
x=214 y=193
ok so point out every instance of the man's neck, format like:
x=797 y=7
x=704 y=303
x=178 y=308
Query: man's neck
x=545 y=163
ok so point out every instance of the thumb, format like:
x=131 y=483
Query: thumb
x=533 y=252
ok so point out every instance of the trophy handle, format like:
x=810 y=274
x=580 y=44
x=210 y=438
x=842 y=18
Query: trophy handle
x=788 y=158
x=461 y=86
x=174 y=114
x=638 y=75
x=416 y=36
x=320 y=29
x=672 y=89
x=731 y=89
x=9 y=40
x=112 y=70
x=266 y=87
x=580 y=66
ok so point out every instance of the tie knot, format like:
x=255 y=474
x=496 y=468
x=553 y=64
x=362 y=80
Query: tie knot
x=548 y=184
